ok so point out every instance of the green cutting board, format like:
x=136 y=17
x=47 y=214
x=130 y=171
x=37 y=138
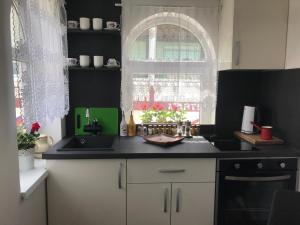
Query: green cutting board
x=107 y=118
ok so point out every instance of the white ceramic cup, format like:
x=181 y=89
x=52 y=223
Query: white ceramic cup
x=84 y=60
x=112 y=62
x=73 y=24
x=112 y=25
x=98 y=61
x=84 y=23
x=97 y=23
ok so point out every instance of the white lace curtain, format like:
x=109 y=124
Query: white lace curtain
x=41 y=52
x=169 y=57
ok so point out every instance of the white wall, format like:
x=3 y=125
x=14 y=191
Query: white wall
x=32 y=211
x=13 y=211
x=9 y=180
x=54 y=129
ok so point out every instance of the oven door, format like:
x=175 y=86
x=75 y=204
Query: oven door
x=246 y=199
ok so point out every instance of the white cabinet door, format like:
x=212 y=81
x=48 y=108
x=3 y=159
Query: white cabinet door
x=293 y=44
x=148 y=204
x=87 y=192
x=192 y=203
x=252 y=34
x=261 y=30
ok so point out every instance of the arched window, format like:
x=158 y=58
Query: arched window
x=171 y=61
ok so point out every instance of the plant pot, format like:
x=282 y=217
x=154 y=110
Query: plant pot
x=26 y=160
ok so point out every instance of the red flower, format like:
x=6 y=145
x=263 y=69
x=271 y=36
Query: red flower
x=35 y=127
x=144 y=106
x=174 y=107
x=158 y=106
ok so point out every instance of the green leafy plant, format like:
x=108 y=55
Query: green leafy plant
x=157 y=113
x=147 y=116
x=176 y=116
x=25 y=140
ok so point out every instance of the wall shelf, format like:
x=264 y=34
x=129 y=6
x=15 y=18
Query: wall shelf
x=78 y=68
x=96 y=32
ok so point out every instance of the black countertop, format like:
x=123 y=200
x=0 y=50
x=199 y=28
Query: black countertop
x=135 y=147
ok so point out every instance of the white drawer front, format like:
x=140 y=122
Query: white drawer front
x=170 y=170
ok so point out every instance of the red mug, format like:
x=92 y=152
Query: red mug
x=265 y=131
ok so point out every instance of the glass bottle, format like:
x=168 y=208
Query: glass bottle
x=123 y=126
x=131 y=126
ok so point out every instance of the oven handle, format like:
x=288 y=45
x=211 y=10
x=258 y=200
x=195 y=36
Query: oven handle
x=258 y=179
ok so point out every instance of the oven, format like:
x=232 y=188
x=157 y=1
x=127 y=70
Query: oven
x=245 y=188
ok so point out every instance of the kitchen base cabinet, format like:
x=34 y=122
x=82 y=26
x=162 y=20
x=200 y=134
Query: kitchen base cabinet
x=148 y=204
x=193 y=203
x=170 y=191
x=87 y=192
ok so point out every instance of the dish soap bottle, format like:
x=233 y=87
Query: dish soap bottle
x=131 y=126
x=123 y=126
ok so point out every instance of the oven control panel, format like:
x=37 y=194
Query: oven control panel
x=257 y=164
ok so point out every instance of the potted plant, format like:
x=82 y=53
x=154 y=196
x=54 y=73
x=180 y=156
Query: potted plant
x=26 y=143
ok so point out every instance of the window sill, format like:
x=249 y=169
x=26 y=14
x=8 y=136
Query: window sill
x=31 y=179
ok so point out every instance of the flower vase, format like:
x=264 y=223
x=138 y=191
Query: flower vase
x=26 y=159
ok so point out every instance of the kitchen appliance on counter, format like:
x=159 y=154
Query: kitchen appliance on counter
x=245 y=188
x=250 y=114
x=233 y=145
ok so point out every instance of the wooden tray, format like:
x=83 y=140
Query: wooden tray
x=163 y=139
x=256 y=140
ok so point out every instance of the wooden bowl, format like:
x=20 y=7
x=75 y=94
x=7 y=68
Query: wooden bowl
x=163 y=139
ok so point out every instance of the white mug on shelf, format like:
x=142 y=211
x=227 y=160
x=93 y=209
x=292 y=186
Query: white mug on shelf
x=84 y=60
x=111 y=25
x=98 y=61
x=112 y=62
x=97 y=23
x=84 y=23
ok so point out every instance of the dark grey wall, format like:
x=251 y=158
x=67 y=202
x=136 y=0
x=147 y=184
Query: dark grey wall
x=90 y=88
x=276 y=93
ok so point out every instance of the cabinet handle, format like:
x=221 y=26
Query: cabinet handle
x=166 y=193
x=238 y=52
x=171 y=170
x=120 y=176
x=178 y=200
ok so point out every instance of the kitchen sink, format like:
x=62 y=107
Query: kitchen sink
x=89 y=143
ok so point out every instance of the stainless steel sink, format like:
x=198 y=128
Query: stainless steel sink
x=89 y=143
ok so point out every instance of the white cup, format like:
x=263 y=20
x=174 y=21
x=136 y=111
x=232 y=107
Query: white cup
x=84 y=23
x=112 y=25
x=84 y=60
x=97 y=23
x=98 y=61
x=112 y=62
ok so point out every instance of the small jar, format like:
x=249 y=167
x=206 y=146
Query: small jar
x=155 y=129
x=179 y=129
x=150 y=130
x=174 y=130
